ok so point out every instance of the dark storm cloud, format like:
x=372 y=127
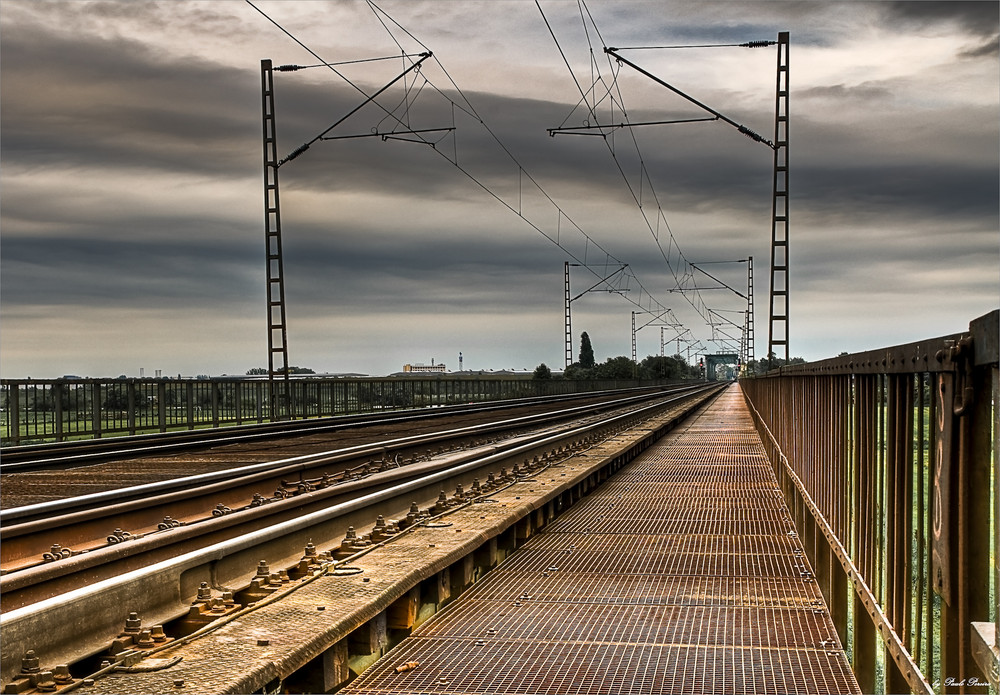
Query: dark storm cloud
x=866 y=192
x=989 y=49
x=146 y=112
x=408 y=278
x=981 y=17
x=90 y=271
x=122 y=107
x=132 y=166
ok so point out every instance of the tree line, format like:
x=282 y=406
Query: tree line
x=652 y=367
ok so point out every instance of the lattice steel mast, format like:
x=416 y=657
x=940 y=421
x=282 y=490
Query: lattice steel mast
x=568 y=302
x=748 y=332
x=777 y=334
x=277 y=336
x=568 y=320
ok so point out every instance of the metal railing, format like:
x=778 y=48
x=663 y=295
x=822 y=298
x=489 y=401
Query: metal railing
x=887 y=460
x=33 y=410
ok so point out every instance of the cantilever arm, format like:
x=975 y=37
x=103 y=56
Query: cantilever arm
x=743 y=129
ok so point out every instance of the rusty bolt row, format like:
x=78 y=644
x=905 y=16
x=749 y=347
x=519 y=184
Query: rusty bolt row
x=118 y=536
x=168 y=523
x=57 y=552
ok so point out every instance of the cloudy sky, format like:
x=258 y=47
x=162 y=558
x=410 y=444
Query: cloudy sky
x=132 y=206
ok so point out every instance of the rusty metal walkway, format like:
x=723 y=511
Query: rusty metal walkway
x=682 y=574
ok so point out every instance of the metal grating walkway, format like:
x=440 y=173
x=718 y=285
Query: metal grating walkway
x=682 y=574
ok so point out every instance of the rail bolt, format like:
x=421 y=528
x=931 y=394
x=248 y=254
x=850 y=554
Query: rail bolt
x=61 y=675
x=133 y=625
x=145 y=640
x=204 y=592
x=262 y=569
x=411 y=516
x=46 y=682
x=157 y=633
x=29 y=663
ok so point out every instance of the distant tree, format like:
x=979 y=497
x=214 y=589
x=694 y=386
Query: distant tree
x=586 y=351
x=262 y=371
x=765 y=365
x=616 y=368
x=542 y=372
x=576 y=372
x=663 y=367
x=116 y=399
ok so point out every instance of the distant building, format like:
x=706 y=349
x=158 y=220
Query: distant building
x=421 y=367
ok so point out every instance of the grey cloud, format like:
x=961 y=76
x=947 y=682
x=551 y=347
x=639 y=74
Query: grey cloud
x=859 y=92
x=989 y=49
x=87 y=270
x=127 y=109
x=975 y=16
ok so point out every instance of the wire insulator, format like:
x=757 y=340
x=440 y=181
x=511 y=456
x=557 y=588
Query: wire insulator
x=752 y=135
x=296 y=153
x=288 y=68
x=758 y=44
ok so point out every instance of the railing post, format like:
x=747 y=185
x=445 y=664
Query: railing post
x=214 y=385
x=189 y=405
x=978 y=410
x=58 y=389
x=96 y=414
x=131 y=404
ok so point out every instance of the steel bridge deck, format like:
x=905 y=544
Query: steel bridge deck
x=682 y=574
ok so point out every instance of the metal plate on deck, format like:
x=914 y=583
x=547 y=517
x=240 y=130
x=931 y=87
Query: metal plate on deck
x=775 y=592
x=712 y=626
x=465 y=666
x=682 y=574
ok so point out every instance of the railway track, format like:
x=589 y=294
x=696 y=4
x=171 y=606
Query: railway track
x=39 y=473
x=156 y=549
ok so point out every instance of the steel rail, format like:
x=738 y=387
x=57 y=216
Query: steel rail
x=101 y=559
x=78 y=623
x=13 y=519
x=30 y=457
x=193 y=503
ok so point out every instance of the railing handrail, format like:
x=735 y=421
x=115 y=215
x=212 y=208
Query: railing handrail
x=40 y=410
x=918 y=356
x=888 y=458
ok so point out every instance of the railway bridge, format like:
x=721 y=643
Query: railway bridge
x=826 y=528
